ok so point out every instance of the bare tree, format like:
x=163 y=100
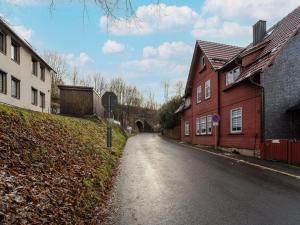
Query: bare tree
x=166 y=86
x=75 y=76
x=99 y=83
x=59 y=64
x=118 y=86
x=178 y=88
x=150 y=102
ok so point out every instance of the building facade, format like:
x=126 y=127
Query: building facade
x=25 y=78
x=80 y=101
x=255 y=91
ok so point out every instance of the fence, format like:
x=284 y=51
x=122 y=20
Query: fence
x=282 y=150
x=173 y=133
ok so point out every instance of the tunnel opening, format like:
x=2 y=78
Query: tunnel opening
x=140 y=126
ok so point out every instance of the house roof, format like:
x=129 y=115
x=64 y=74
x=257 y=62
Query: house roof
x=24 y=42
x=278 y=36
x=218 y=54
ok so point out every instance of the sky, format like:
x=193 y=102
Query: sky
x=155 y=44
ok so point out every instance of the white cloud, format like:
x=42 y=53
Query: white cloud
x=150 y=18
x=25 y=33
x=22 y=31
x=213 y=27
x=112 y=47
x=80 y=60
x=258 y=9
x=84 y=58
x=168 y=50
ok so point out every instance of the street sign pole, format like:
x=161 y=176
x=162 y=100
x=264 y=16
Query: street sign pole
x=109 y=128
x=109 y=101
x=216 y=119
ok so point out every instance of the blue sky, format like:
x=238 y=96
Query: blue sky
x=155 y=45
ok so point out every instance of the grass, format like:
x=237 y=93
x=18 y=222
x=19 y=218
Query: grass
x=82 y=140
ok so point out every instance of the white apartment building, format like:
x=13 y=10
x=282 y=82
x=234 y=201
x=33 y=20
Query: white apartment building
x=25 y=78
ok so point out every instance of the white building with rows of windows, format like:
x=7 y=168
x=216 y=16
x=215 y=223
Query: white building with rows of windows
x=25 y=78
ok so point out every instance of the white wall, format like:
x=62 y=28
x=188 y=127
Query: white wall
x=23 y=72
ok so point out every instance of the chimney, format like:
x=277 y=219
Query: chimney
x=259 y=31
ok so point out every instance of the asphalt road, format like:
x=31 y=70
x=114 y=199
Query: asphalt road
x=161 y=182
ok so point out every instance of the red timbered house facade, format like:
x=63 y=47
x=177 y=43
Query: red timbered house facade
x=252 y=90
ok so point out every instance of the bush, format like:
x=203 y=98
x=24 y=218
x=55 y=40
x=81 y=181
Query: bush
x=167 y=117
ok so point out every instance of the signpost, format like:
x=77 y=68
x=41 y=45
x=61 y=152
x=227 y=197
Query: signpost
x=215 y=119
x=109 y=101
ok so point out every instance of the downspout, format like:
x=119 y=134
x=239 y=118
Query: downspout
x=218 y=108
x=262 y=114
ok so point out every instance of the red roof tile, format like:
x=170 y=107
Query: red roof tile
x=218 y=54
x=282 y=32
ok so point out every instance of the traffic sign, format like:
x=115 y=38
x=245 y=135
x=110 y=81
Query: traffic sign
x=216 y=118
x=109 y=100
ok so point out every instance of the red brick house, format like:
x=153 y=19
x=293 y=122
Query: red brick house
x=253 y=90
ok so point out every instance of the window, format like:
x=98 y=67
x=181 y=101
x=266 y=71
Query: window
x=3 y=78
x=236 y=120
x=15 y=88
x=207 y=89
x=209 y=124
x=15 y=52
x=42 y=73
x=42 y=100
x=34 y=96
x=198 y=96
x=203 y=125
x=197 y=126
x=232 y=75
x=202 y=61
x=34 y=67
x=186 y=128
x=2 y=42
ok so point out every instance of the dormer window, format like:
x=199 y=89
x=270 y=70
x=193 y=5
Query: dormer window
x=232 y=75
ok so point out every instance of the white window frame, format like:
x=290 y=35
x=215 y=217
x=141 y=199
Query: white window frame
x=209 y=124
x=186 y=128
x=202 y=61
x=207 y=89
x=232 y=75
x=232 y=117
x=199 y=94
x=203 y=125
x=197 y=126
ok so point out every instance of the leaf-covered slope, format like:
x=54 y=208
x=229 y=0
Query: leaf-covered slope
x=53 y=169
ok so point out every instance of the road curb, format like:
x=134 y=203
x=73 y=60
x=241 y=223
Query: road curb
x=242 y=161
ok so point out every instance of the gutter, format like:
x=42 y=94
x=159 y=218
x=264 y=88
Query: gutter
x=262 y=114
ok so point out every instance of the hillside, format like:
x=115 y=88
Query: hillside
x=53 y=169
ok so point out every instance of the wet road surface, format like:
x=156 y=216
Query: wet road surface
x=161 y=182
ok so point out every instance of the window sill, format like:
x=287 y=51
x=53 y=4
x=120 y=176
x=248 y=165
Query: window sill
x=203 y=135
x=15 y=61
x=3 y=52
x=187 y=135
x=207 y=98
x=15 y=97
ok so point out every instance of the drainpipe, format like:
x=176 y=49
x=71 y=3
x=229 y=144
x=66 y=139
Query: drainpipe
x=262 y=114
x=218 y=108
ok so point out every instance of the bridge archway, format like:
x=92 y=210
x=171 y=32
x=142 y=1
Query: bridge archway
x=140 y=125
